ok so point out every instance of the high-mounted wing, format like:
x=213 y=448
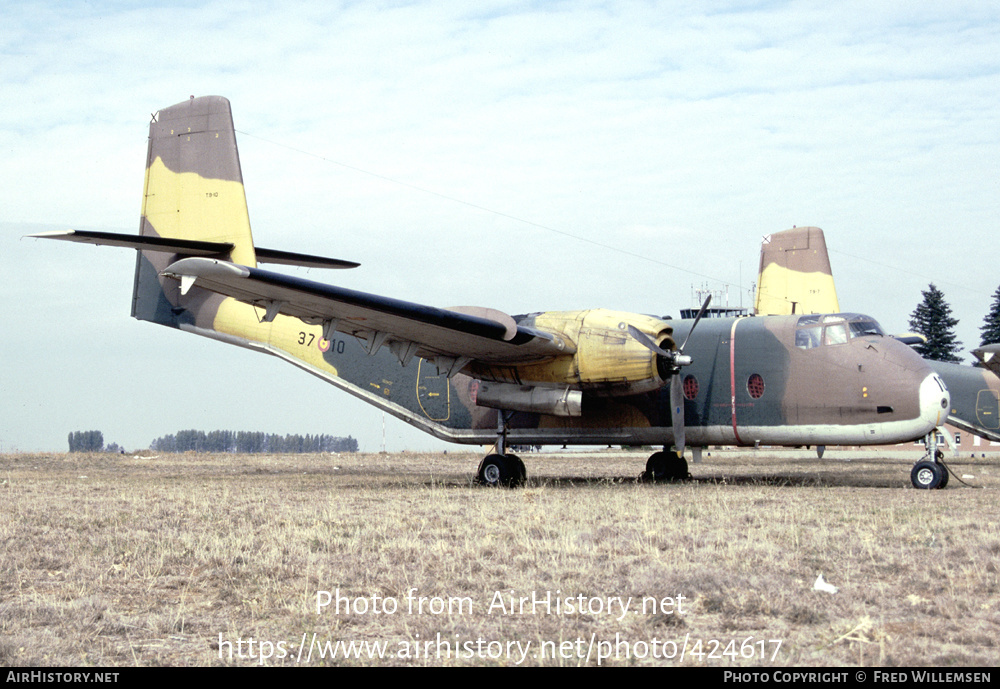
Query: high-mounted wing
x=452 y=338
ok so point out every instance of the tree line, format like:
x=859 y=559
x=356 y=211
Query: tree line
x=932 y=318
x=251 y=442
x=86 y=441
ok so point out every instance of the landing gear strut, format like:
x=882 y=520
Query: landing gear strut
x=930 y=472
x=668 y=465
x=502 y=469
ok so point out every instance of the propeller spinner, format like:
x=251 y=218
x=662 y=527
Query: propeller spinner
x=674 y=361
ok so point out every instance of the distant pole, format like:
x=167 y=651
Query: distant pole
x=383 y=431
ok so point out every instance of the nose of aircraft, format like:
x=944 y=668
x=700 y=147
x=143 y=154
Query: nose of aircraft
x=934 y=400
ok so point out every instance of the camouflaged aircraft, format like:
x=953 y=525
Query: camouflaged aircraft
x=795 y=277
x=478 y=376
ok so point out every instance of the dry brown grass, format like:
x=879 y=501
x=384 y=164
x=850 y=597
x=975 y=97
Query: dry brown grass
x=115 y=560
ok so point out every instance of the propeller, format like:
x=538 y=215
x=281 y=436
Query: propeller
x=673 y=361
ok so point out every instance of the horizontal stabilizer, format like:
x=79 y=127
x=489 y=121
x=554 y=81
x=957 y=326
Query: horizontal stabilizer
x=191 y=247
x=136 y=241
x=289 y=258
x=463 y=335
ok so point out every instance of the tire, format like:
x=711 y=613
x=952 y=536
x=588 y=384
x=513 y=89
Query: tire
x=666 y=466
x=928 y=475
x=498 y=471
x=522 y=471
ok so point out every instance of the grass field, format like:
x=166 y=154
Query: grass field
x=183 y=559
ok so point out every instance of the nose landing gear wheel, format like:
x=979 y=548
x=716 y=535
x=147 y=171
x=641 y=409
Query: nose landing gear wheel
x=929 y=475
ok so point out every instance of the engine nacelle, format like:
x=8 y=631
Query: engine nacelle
x=607 y=360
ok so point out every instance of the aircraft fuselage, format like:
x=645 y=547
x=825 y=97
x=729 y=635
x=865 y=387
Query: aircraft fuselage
x=975 y=398
x=748 y=383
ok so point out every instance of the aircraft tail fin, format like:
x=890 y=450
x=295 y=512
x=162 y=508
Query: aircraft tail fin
x=988 y=356
x=193 y=205
x=193 y=193
x=795 y=274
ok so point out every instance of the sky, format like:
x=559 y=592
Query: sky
x=522 y=156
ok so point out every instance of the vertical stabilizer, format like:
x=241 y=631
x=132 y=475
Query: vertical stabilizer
x=193 y=191
x=795 y=275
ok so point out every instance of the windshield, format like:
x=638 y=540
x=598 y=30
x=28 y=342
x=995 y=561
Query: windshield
x=816 y=330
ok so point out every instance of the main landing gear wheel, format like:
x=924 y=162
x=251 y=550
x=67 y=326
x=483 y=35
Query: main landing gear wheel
x=666 y=466
x=929 y=475
x=505 y=471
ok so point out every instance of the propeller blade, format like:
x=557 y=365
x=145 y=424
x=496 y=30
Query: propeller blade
x=701 y=312
x=647 y=342
x=676 y=359
x=677 y=411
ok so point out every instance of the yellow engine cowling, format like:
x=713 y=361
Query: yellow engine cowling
x=607 y=359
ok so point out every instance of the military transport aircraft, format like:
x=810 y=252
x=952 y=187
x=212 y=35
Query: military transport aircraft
x=795 y=277
x=475 y=375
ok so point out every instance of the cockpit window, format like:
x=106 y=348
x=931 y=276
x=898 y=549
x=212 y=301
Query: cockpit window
x=815 y=330
x=835 y=334
x=807 y=338
x=863 y=327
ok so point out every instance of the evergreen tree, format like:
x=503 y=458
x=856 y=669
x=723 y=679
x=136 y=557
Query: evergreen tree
x=991 y=324
x=932 y=319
